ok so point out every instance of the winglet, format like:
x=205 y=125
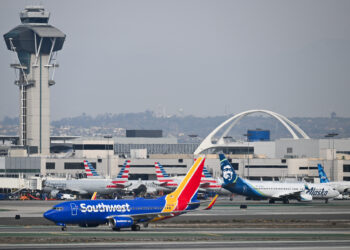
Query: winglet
x=93 y=197
x=211 y=204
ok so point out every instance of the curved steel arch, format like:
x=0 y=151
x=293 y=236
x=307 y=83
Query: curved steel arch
x=207 y=142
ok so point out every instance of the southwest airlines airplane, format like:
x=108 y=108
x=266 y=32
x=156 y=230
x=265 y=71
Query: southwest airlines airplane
x=340 y=186
x=130 y=213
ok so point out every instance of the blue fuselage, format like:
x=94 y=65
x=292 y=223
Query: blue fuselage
x=243 y=188
x=97 y=211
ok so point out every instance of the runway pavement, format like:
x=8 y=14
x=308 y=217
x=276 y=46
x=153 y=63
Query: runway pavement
x=304 y=225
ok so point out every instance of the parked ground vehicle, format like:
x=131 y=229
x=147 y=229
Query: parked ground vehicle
x=63 y=196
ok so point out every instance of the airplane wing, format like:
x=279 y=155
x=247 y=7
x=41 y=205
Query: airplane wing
x=204 y=185
x=140 y=218
x=146 y=217
x=161 y=184
x=286 y=194
x=211 y=203
x=74 y=190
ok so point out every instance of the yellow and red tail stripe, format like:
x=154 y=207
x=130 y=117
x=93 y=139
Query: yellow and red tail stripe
x=211 y=204
x=181 y=197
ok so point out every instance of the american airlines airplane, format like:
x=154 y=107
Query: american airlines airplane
x=89 y=186
x=208 y=183
x=137 y=187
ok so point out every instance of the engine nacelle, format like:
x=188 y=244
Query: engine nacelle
x=305 y=197
x=120 y=222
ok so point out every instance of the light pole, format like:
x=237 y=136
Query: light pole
x=108 y=170
x=332 y=135
x=247 y=135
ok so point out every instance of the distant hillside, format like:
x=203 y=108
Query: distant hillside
x=182 y=127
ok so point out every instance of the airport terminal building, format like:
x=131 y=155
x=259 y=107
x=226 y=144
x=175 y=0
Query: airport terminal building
x=257 y=160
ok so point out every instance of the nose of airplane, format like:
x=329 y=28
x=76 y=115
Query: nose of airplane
x=49 y=215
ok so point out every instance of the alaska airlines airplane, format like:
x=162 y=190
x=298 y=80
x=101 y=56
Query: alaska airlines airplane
x=340 y=186
x=261 y=189
x=89 y=186
x=130 y=213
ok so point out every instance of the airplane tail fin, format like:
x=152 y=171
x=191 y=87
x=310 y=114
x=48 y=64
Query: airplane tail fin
x=163 y=177
x=208 y=182
x=186 y=192
x=123 y=177
x=322 y=174
x=228 y=173
x=124 y=171
x=206 y=173
x=89 y=169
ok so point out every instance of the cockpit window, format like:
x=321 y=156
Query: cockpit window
x=58 y=208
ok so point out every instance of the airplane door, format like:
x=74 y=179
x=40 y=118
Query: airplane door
x=74 y=209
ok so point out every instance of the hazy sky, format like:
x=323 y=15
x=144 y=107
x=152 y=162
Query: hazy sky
x=205 y=57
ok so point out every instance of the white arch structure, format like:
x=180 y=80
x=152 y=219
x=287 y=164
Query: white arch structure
x=289 y=125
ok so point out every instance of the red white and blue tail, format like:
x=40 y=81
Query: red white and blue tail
x=208 y=182
x=90 y=170
x=123 y=176
x=162 y=177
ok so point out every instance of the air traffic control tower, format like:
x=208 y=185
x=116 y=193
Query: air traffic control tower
x=35 y=44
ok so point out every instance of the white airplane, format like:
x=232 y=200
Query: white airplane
x=89 y=186
x=273 y=190
x=340 y=186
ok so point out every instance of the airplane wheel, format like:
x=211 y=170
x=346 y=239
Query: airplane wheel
x=271 y=201
x=326 y=201
x=63 y=228
x=286 y=201
x=135 y=228
x=116 y=229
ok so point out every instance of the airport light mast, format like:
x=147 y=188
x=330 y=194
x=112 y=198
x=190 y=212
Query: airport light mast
x=35 y=44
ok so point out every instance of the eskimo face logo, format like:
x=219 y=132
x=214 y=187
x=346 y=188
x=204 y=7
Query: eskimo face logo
x=227 y=173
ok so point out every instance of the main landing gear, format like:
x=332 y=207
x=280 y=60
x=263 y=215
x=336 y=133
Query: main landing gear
x=64 y=228
x=135 y=228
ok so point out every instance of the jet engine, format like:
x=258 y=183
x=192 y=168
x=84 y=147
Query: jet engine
x=120 y=222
